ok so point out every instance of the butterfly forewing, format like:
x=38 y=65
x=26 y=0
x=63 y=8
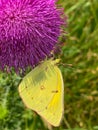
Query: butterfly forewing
x=36 y=88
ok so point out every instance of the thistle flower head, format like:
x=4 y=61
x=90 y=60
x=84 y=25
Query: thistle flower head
x=29 y=30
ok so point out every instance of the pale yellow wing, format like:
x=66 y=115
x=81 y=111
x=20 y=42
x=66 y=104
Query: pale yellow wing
x=42 y=91
x=54 y=110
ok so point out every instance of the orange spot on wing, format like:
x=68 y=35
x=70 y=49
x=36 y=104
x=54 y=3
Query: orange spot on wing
x=42 y=87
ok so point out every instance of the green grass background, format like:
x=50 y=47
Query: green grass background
x=80 y=78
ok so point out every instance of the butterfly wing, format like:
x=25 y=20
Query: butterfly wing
x=42 y=91
x=54 y=110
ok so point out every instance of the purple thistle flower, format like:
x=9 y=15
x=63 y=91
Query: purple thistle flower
x=29 y=30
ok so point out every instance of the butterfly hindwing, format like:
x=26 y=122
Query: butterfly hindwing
x=54 y=109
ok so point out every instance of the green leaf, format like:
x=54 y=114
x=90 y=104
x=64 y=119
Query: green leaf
x=3 y=112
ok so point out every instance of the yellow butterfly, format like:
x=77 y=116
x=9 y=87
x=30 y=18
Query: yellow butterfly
x=42 y=91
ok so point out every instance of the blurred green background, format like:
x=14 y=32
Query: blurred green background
x=80 y=50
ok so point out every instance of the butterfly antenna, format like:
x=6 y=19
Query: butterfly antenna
x=64 y=64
